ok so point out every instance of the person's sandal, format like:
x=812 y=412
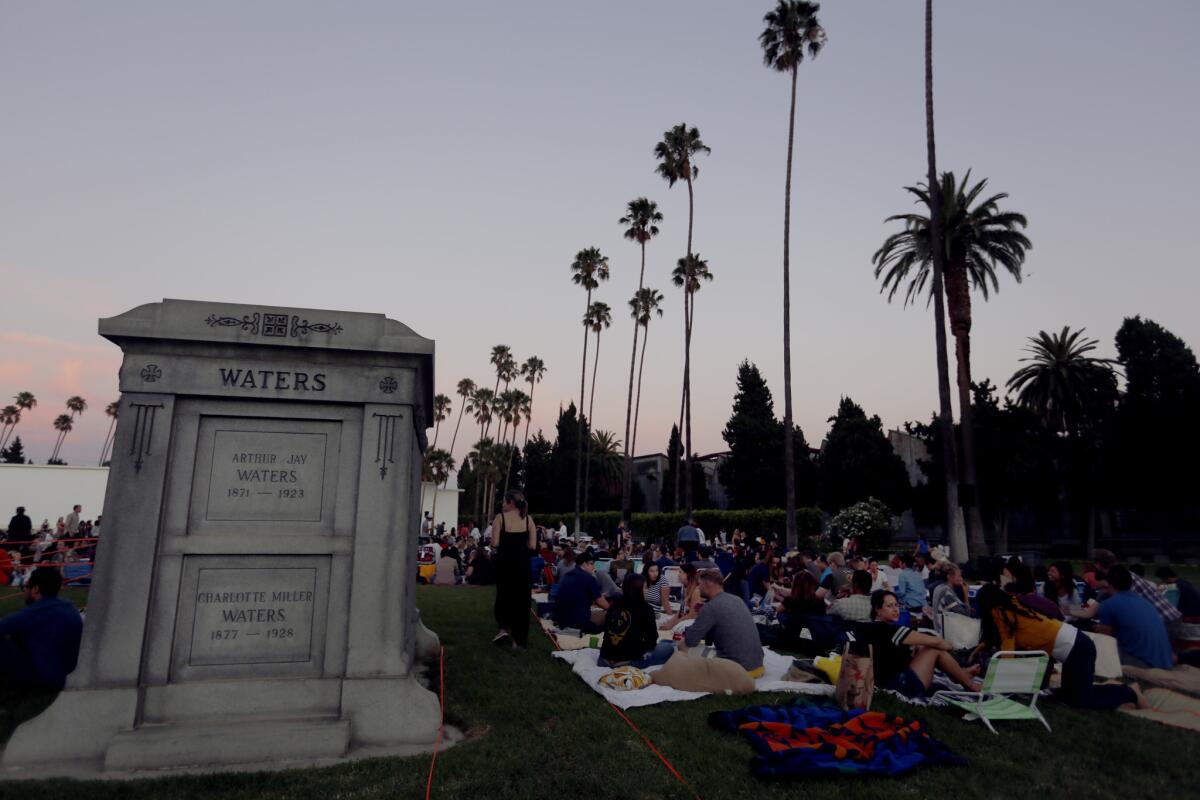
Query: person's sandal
x=499 y=638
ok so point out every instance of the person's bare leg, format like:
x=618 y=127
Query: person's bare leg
x=923 y=663
x=948 y=665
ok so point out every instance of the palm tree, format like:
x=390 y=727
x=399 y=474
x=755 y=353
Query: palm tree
x=644 y=305
x=442 y=406
x=76 y=405
x=438 y=466
x=466 y=390
x=606 y=452
x=598 y=318
x=588 y=269
x=9 y=417
x=63 y=424
x=792 y=29
x=677 y=154
x=1069 y=390
x=24 y=401
x=533 y=370
x=481 y=402
x=111 y=411
x=977 y=238
x=954 y=516
x=521 y=406
x=485 y=459
x=641 y=216
x=501 y=355
x=688 y=274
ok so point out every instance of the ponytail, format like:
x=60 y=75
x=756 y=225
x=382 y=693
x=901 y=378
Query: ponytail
x=517 y=498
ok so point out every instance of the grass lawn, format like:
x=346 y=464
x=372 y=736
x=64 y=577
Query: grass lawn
x=535 y=731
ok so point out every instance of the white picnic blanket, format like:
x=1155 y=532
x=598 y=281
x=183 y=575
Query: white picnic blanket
x=583 y=664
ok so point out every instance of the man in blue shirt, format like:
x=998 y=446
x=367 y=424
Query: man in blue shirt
x=576 y=593
x=39 y=645
x=911 y=588
x=1141 y=635
x=688 y=537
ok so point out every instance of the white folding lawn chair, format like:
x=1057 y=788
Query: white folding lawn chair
x=1010 y=672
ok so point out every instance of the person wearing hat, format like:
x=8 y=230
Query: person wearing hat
x=577 y=591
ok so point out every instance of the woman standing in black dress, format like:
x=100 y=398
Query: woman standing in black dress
x=515 y=538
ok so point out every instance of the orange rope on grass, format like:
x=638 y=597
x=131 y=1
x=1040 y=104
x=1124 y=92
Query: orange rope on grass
x=441 y=716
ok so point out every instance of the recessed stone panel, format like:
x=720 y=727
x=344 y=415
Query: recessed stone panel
x=266 y=475
x=253 y=616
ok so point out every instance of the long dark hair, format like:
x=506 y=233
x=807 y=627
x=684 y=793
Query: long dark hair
x=633 y=595
x=992 y=598
x=877 y=598
x=517 y=498
x=645 y=576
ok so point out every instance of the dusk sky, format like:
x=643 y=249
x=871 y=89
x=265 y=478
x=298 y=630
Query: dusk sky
x=442 y=163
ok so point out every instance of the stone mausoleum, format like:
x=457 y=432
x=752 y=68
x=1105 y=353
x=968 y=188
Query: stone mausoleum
x=253 y=602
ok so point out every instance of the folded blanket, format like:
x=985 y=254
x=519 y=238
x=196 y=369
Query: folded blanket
x=1182 y=678
x=801 y=740
x=775 y=666
x=1170 y=708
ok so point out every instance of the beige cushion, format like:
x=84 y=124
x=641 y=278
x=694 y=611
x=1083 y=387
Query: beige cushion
x=696 y=674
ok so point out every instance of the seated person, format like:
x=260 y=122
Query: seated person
x=658 y=591
x=566 y=562
x=1141 y=635
x=630 y=633
x=759 y=576
x=1007 y=624
x=480 y=571
x=607 y=585
x=39 y=645
x=950 y=597
x=835 y=581
x=1017 y=580
x=879 y=578
x=1060 y=587
x=576 y=593
x=905 y=659
x=705 y=560
x=690 y=603
x=803 y=599
x=725 y=619
x=910 y=588
x=856 y=607
x=1105 y=560
x=1188 y=602
x=447 y=570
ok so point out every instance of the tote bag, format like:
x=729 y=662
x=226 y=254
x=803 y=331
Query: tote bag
x=856 y=680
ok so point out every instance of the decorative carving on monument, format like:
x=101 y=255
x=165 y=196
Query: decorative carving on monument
x=385 y=443
x=151 y=373
x=388 y=385
x=247 y=322
x=143 y=432
x=274 y=324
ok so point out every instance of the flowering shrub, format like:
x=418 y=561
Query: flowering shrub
x=869 y=522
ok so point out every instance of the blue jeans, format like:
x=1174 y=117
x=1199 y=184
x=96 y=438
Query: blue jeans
x=659 y=655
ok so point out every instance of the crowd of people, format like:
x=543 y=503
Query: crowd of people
x=737 y=593
x=39 y=644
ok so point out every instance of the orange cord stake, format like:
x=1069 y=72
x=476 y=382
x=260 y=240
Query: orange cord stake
x=629 y=722
x=441 y=717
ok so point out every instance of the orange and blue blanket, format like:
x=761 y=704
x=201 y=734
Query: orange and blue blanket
x=802 y=740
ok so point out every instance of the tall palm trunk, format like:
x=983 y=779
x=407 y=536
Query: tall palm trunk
x=107 y=440
x=638 y=403
x=529 y=418
x=687 y=360
x=582 y=388
x=789 y=458
x=958 y=298
x=678 y=466
x=627 y=471
x=954 y=522
x=587 y=468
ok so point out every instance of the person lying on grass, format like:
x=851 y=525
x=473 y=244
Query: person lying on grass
x=1007 y=624
x=727 y=622
x=905 y=659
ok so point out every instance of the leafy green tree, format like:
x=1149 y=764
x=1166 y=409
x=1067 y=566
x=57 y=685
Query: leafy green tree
x=978 y=237
x=14 y=453
x=868 y=522
x=1157 y=431
x=538 y=452
x=792 y=30
x=858 y=462
x=676 y=154
x=641 y=220
x=669 y=497
x=754 y=438
x=566 y=448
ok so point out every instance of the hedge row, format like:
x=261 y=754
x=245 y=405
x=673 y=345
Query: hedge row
x=755 y=522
